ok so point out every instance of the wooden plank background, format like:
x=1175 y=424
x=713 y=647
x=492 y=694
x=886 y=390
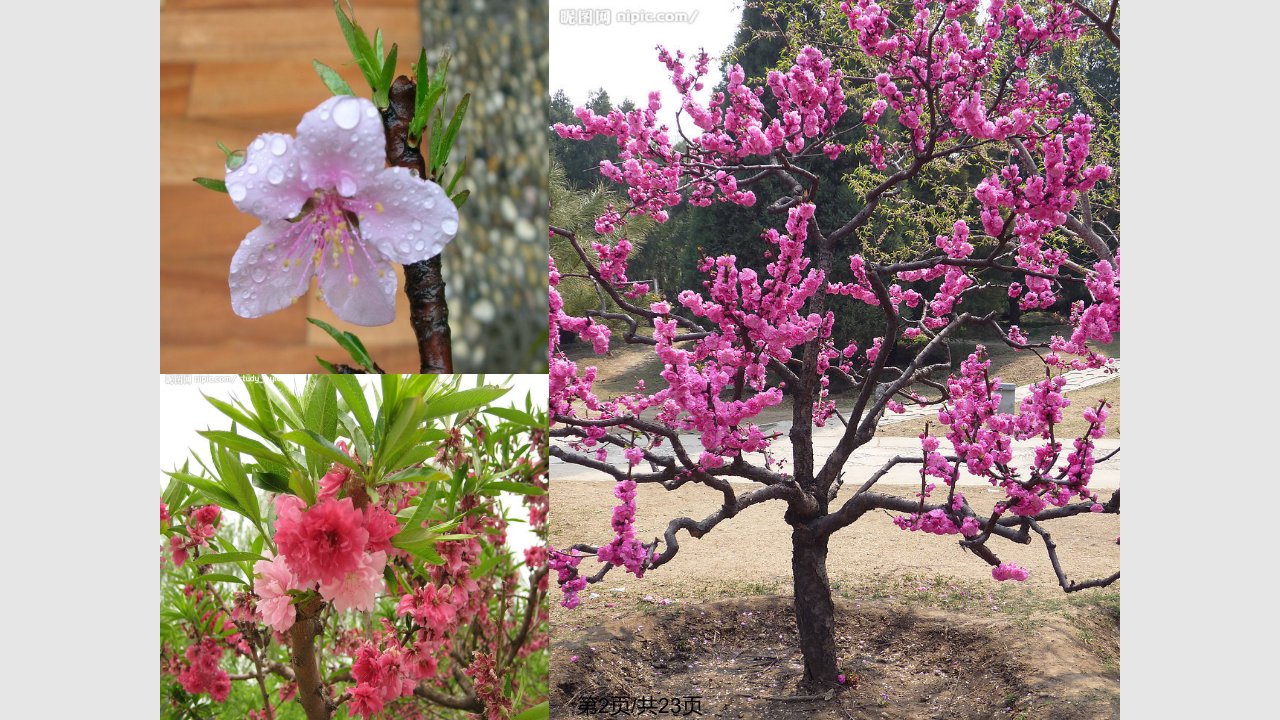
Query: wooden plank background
x=230 y=70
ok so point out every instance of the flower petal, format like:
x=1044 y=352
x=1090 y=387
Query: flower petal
x=263 y=279
x=341 y=145
x=359 y=285
x=408 y=218
x=268 y=185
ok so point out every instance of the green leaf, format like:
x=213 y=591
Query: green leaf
x=228 y=557
x=209 y=489
x=271 y=481
x=353 y=395
x=461 y=198
x=416 y=475
x=211 y=183
x=451 y=133
x=541 y=711
x=493 y=488
x=261 y=403
x=328 y=366
x=422 y=549
x=516 y=416
x=219 y=577
x=348 y=342
x=313 y=441
x=238 y=415
x=462 y=167
x=239 y=443
x=359 y=44
x=464 y=400
x=388 y=73
x=331 y=79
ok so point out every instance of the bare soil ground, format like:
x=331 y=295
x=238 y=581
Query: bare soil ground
x=922 y=628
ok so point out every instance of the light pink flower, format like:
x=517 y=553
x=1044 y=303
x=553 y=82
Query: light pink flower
x=359 y=588
x=331 y=208
x=272 y=582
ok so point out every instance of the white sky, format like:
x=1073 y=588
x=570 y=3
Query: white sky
x=183 y=411
x=621 y=56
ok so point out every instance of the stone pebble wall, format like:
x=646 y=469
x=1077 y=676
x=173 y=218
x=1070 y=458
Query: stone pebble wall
x=496 y=269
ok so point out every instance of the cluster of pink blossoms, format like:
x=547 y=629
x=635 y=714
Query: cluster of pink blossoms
x=1009 y=571
x=330 y=546
x=390 y=667
x=203 y=673
x=202 y=524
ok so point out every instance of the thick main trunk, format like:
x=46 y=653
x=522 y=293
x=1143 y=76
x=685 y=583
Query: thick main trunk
x=815 y=611
x=306 y=666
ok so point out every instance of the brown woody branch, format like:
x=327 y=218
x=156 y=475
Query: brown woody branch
x=423 y=281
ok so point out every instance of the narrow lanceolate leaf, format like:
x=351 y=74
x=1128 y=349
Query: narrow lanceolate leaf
x=211 y=183
x=461 y=198
x=358 y=42
x=228 y=557
x=210 y=489
x=353 y=395
x=271 y=481
x=219 y=577
x=494 y=488
x=313 y=441
x=248 y=446
x=331 y=79
x=348 y=342
x=464 y=400
x=416 y=475
x=388 y=74
x=515 y=416
x=462 y=167
x=451 y=132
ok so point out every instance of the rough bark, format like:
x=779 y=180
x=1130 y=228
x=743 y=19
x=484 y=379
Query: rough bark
x=306 y=666
x=815 y=611
x=423 y=281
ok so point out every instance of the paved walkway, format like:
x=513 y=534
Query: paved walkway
x=872 y=456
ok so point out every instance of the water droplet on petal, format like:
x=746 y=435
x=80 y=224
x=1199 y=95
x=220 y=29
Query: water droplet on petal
x=275 y=175
x=403 y=246
x=417 y=226
x=449 y=226
x=346 y=186
x=253 y=169
x=259 y=274
x=258 y=144
x=278 y=146
x=371 y=112
x=430 y=201
x=237 y=192
x=346 y=113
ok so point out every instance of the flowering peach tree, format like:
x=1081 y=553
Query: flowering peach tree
x=346 y=557
x=953 y=80
x=359 y=186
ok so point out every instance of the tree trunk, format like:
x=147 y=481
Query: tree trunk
x=815 y=612
x=306 y=666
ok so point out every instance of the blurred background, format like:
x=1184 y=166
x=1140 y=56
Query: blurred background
x=233 y=69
